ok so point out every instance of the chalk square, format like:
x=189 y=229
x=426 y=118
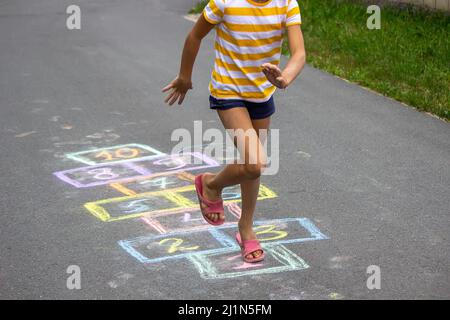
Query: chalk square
x=282 y=231
x=229 y=264
x=151 y=202
x=173 y=163
x=157 y=182
x=182 y=198
x=84 y=177
x=90 y=156
x=135 y=206
x=153 y=249
x=230 y=195
x=189 y=219
x=97 y=175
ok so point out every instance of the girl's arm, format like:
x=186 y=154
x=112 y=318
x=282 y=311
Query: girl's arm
x=182 y=83
x=282 y=79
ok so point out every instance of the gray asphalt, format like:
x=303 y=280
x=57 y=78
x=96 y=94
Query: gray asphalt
x=372 y=174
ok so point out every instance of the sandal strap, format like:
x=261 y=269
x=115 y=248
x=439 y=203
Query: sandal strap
x=251 y=246
x=208 y=206
x=209 y=203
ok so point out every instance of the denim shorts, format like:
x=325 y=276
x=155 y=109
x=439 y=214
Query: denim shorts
x=257 y=110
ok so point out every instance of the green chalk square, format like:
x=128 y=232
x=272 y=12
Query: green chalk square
x=78 y=156
x=289 y=262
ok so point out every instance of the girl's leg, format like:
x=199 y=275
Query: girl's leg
x=249 y=195
x=232 y=174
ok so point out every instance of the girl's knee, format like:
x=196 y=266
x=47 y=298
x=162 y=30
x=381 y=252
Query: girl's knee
x=253 y=171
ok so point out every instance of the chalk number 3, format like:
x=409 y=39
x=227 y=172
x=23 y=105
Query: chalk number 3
x=269 y=230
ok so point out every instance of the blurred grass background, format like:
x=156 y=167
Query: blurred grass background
x=408 y=59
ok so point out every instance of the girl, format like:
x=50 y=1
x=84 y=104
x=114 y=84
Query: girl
x=249 y=34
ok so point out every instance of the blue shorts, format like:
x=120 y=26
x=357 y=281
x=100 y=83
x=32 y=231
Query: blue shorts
x=257 y=110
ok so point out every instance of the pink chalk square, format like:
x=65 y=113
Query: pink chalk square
x=162 y=247
x=188 y=219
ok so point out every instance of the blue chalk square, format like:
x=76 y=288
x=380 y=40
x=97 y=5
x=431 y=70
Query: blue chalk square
x=225 y=265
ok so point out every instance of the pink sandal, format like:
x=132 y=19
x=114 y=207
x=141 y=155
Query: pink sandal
x=249 y=247
x=210 y=206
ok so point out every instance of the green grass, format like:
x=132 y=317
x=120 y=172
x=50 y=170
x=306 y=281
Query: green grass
x=408 y=59
x=198 y=8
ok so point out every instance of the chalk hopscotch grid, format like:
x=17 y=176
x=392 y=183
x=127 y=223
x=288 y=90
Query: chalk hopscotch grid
x=200 y=259
x=63 y=175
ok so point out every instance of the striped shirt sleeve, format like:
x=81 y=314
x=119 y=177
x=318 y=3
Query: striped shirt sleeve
x=213 y=11
x=293 y=16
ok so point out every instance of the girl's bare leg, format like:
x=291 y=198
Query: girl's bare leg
x=249 y=195
x=232 y=174
x=247 y=174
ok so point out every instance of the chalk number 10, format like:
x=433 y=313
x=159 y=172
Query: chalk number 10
x=123 y=153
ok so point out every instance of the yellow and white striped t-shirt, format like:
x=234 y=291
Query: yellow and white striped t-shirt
x=248 y=34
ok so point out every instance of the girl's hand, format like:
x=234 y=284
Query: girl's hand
x=274 y=75
x=179 y=88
